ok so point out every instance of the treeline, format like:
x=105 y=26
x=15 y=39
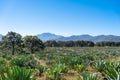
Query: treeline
x=80 y=43
x=13 y=42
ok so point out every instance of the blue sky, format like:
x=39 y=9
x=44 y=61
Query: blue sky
x=62 y=17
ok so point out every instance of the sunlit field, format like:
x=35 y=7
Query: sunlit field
x=62 y=63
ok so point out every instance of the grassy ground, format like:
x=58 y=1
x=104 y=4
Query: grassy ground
x=86 y=56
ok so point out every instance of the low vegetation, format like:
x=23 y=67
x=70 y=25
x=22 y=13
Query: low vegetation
x=73 y=63
x=28 y=59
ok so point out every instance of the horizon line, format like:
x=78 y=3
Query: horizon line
x=63 y=35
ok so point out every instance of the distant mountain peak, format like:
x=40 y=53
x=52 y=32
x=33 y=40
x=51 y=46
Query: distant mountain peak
x=48 y=36
x=0 y=37
x=51 y=36
x=47 y=33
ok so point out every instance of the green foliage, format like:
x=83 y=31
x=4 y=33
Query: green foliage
x=6 y=56
x=3 y=68
x=33 y=43
x=116 y=65
x=69 y=64
x=74 y=61
x=54 y=74
x=32 y=63
x=56 y=71
x=17 y=73
x=23 y=61
x=62 y=59
x=88 y=76
x=41 y=69
x=79 y=68
x=3 y=65
x=2 y=61
x=12 y=40
x=112 y=73
x=42 y=56
x=101 y=65
x=19 y=61
x=61 y=67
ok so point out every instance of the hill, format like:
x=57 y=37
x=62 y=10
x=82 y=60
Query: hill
x=50 y=36
x=0 y=37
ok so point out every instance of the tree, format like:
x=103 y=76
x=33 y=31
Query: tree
x=11 y=40
x=33 y=43
x=69 y=44
x=51 y=43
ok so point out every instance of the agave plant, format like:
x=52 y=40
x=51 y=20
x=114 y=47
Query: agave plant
x=32 y=63
x=56 y=71
x=74 y=61
x=21 y=62
x=79 y=68
x=54 y=74
x=116 y=65
x=112 y=73
x=41 y=69
x=2 y=61
x=17 y=73
x=61 y=68
x=101 y=65
x=3 y=65
x=88 y=76
x=3 y=68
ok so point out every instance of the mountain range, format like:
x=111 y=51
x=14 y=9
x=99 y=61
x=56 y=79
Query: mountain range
x=0 y=36
x=50 y=36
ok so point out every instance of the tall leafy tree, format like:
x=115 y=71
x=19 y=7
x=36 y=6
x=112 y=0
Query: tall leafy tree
x=33 y=43
x=51 y=43
x=12 y=39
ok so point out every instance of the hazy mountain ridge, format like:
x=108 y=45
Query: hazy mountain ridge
x=0 y=37
x=50 y=36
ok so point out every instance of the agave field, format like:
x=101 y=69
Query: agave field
x=61 y=63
